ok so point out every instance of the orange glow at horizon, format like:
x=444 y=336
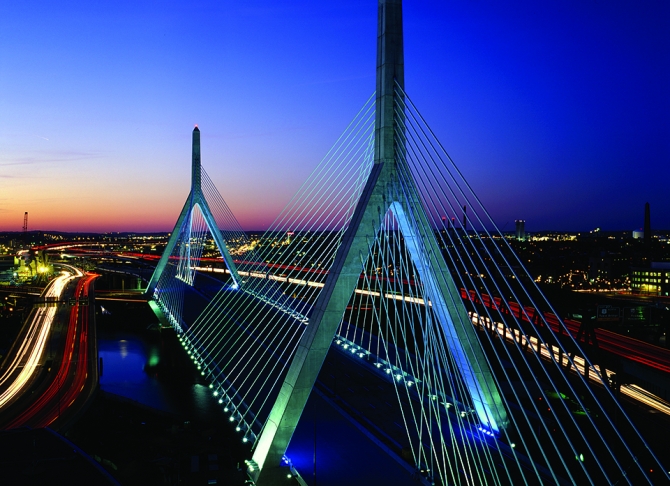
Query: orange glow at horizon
x=102 y=213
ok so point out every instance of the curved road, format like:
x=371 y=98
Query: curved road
x=34 y=394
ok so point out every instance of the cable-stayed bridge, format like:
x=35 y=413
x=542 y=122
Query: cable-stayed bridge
x=387 y=254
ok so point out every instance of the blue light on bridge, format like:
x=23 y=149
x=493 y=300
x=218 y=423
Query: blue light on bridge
x=486 y=431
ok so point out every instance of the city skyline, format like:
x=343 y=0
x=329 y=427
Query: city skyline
x=556 y=114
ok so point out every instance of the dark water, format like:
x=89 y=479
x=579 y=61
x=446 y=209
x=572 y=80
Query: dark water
x=343 y=454
x=150 y=367
x=146 y=365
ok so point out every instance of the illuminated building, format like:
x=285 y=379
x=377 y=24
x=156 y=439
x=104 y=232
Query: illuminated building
x=520 y=229
x=654 y=280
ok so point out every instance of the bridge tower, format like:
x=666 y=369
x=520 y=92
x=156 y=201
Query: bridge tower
x=379 y=197
x=195 y=199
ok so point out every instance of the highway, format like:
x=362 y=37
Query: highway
x=626 y=347
x=630 y=348
x=596 y=374
x=27 y=354
x=53 y=398
x=623 y=346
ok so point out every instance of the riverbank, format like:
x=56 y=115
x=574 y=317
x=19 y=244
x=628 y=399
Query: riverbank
x=154 y=420
x=139 y=445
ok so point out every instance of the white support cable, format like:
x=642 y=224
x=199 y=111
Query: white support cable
x=422 y=452
x=226 y=220
x=337 y=242
x=244 y=395
x=206 y=324
x=423 y=251
x=550 y=329
x=250 y=344
x=347 y=216
x=410 y=325
x=385 y=267
x=323 y=168
x=455 y=246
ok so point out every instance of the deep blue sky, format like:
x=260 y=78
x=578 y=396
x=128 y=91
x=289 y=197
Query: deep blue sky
x=557 y=112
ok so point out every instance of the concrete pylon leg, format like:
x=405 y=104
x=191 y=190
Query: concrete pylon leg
x=195 y=198
x=344 y=274
x=172 y=242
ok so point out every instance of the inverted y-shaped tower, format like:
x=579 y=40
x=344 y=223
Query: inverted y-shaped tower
x=379 y=196
x=181 y=234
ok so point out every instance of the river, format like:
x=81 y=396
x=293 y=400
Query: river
x=147 y=365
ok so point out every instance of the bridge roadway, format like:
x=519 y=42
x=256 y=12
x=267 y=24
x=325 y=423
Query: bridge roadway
x=632 y=361
x=358 y=390
x=641 y=369
x=371 y=399
x=357 y=401
x=648 y=356
x=65 y=370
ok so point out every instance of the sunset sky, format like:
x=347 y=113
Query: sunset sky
x=556 y=112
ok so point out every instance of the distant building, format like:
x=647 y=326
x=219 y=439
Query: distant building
x=654 y=280
x=647 y=224
x=520 y=229
x=608 y=266
x=638 y=234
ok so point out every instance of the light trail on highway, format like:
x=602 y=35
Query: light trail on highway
x=57 y=383
x=72 y=370
x=595 y=374
x=24 y=363
x=634 y=392
x=619 y=345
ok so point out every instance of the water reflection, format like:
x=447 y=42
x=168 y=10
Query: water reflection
x=125 y=361
x=145 y=367
x=123 y=348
